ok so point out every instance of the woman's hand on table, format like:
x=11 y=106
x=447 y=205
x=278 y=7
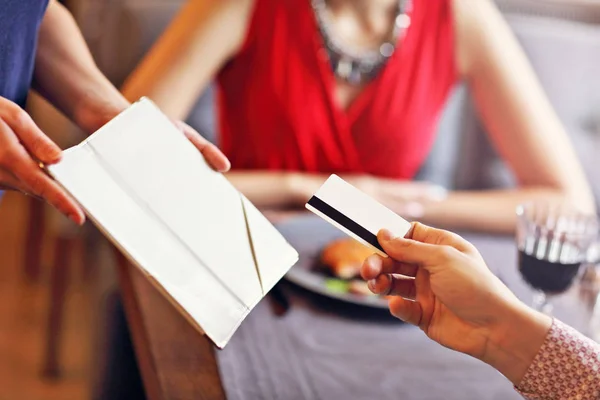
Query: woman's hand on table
x=291 y=190
x=407 y=198
x=441 y=284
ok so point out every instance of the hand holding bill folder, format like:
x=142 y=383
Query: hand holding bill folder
x=150 y=191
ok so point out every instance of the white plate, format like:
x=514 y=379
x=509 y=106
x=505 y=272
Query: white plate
x=308 y=235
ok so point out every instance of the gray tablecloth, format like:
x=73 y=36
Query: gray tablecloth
x=325 y=350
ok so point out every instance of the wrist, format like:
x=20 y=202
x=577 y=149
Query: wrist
x=94 y=110
x=515 y=340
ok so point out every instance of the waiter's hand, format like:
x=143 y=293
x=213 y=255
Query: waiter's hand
x=22 y=146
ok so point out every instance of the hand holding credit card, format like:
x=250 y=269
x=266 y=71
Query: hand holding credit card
x=355 y=213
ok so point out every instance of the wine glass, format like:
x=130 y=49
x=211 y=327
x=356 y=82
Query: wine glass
x=553 y=242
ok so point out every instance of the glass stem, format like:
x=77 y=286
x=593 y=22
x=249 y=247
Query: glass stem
x=541 y=304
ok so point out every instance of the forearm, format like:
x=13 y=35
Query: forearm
x=66 y=74
x=275 y=189
x=544 y=359
x=565 y=367
x=492 y=210
x=519 y=119
x=515 y=343
x=188 y=55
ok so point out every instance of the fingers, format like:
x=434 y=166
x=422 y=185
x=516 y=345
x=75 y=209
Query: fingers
x=215 y=157
x=407 y=250
x=376 y=265
x=36 y=182
x=406 y=310
x=426 y=234
x=30 y=178
x=28 y=133
x=392 y=285
x=9 y=182
x=424 y=245
x=211 y=153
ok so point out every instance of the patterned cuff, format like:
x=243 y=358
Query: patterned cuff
x=567 y=366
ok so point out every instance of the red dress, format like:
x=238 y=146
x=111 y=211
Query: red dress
x=276 y=97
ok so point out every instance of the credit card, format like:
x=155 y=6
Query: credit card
x=355 y=213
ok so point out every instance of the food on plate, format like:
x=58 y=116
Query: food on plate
x=340 y=261
x=337 y=285
x=354 y=286
x=344 y=257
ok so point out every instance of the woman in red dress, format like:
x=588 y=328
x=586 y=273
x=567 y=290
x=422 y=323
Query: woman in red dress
x=355 y=87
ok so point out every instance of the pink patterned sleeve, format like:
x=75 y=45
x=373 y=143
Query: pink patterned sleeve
x=567 y=366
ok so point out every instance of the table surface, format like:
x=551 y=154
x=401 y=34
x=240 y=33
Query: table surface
x=317 y=349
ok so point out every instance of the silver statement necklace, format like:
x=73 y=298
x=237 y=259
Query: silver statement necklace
x=359 y=66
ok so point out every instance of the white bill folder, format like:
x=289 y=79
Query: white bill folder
x=153 y=195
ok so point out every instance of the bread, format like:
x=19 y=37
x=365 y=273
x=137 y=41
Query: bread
x=344 y=257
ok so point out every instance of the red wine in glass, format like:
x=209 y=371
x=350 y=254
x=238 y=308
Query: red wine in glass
x=547 y=276
x=553 y=243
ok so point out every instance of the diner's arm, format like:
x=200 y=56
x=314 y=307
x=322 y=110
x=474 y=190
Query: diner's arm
x=521 y=123
x=272 y=190
x=484 y=210
x=456 y=301
x=566 y=367
x=476 y=210
x=291 y=190
x=188 y=55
